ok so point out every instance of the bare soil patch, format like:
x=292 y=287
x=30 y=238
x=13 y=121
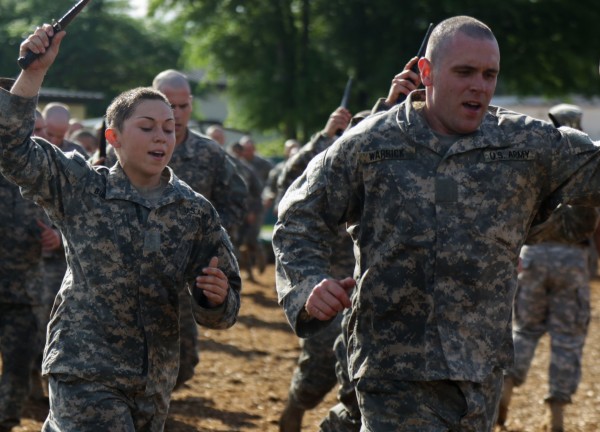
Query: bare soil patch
x=242 y=379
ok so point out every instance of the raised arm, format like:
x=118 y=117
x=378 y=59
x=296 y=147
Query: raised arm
x=30 y=80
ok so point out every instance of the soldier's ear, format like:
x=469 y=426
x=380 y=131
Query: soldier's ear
x=425 y=69
x=112 y=136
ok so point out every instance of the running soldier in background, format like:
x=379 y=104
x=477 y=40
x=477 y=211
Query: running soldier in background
x=208 y=169
x=25 y=233
x=39 y=129
x=253 y=203
x=261 y=165
x=247 y=237
x=571 y=116
x=57 y=116
x=553 y=296
x=315 y=375
x=439 y=194
x=270 y=193
x=256 y=253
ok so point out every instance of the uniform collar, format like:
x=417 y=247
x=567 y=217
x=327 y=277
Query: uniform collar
x=413 y=124
x=118 y=187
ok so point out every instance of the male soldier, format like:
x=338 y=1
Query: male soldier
x=312 y=380
x=21 y=297
x=438 y=194
x=262 y=167
x=571 y=115
x=39 y=129
x=254 y=204
x=24 y=235
x=246 y=240
x=57 y=117
x=553 y=296
x=269 y=193
x=209 y=170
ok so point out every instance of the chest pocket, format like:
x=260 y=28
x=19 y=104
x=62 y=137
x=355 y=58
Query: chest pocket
x=504 y=194
x=397 y=195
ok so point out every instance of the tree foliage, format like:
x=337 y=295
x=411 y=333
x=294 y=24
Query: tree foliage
x=105 y=49
x=287 y=61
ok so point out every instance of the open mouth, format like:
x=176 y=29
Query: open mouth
x=157 y=154
x=473 y=106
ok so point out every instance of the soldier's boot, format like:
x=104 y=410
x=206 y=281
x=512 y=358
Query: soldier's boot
x=291 y=417
x=261 y=259
x=507 y=391
x=555 y=416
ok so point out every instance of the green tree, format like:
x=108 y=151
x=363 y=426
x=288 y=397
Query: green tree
x=105 y=49
x=264 y=50
x=286 y=61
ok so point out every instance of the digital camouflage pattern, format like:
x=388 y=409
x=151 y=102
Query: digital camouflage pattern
x=21 y=252
x=315 y=374
x=437 y=233
x=115 y=319
x=567 y=224
x=69 y=146
x=345 y=415
x=106 y=408
x=262 y=167
x=553 y=297
x=429 y=406
x=209 y=170
x=19 y=338
x=296 y=164
x=269 y=191
x=21 y=297
x=55 y=266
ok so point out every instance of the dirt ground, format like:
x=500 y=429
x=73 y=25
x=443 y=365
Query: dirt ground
x=242 y=379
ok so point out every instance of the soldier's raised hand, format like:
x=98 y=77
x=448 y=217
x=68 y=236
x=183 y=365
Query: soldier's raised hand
x=404 y=82
x=39 y=43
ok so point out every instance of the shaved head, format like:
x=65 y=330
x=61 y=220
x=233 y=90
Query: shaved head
x=444 y=32
x=172 y=79
x=57 y=118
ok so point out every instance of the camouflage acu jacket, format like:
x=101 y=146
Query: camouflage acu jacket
x=21 y=251
x=210 y=171
x=115 y=319
x=437 y=232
